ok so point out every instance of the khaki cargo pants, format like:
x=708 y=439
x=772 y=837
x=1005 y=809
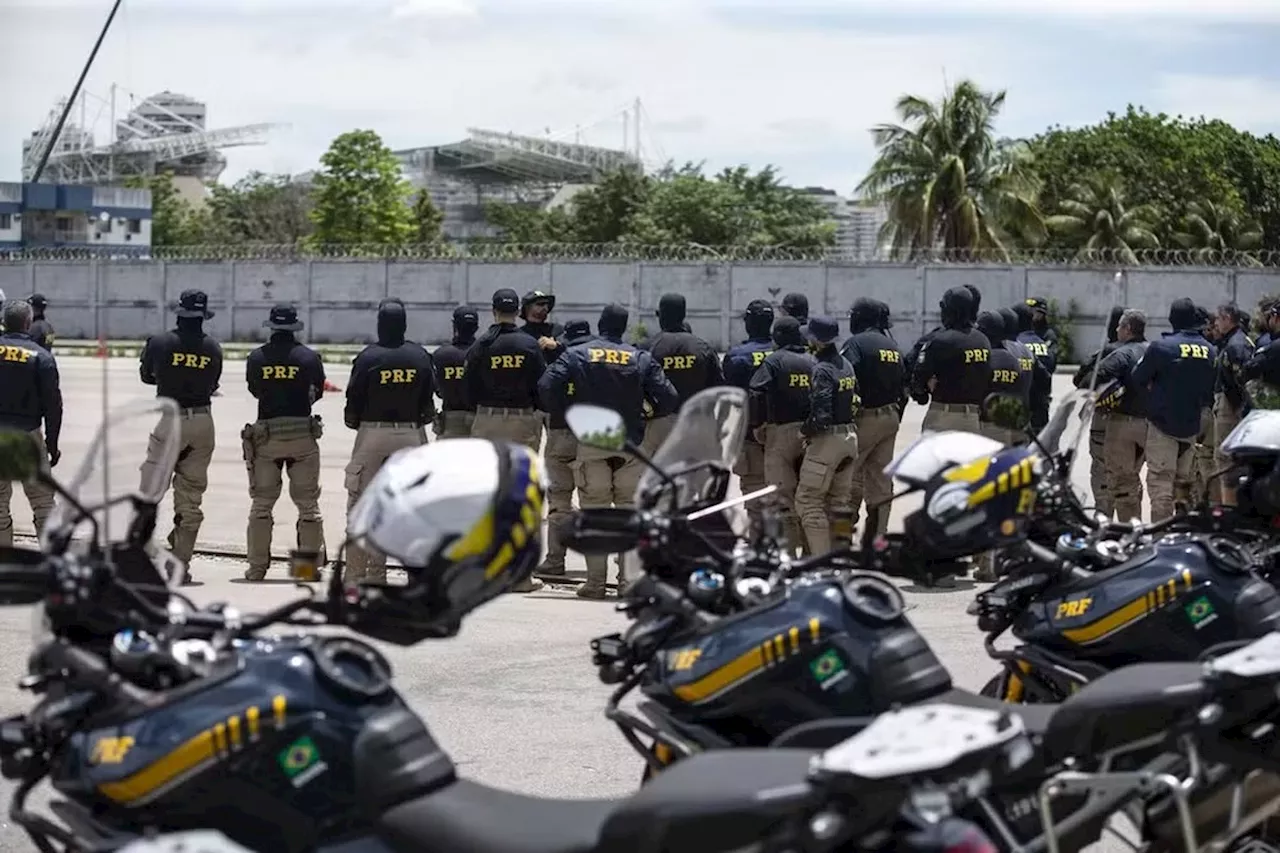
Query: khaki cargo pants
x=562 y=452
x=523 y=426
x=941 y=417
x=39 y=496
x=1202 y=462
x=825 y=487
x=1099 y=479
x=1169 y=470
x=783 y=454
x=1226 y=417
x=453 y=424
x=877 y=431
x=1125 y=450
x=271 y=448
x=604 y=478
x=656 y=432
x=751 y=477
x=375 y=442
x=190 y=477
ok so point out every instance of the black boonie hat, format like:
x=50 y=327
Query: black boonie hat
x=533 y=297
x=192 y=304
x=283 y=318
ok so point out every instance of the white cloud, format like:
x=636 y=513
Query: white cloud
x=1244 y=101
x=1201 y=10
x=422 y=71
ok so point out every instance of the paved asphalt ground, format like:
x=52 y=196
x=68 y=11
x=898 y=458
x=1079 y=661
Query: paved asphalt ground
x=514 y=697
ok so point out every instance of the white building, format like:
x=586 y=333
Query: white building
x=114 y=220
x=857 y=226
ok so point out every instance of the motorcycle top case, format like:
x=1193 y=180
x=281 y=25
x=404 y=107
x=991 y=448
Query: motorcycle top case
x=299 y=741
x=833 y=646
x=1169 y=603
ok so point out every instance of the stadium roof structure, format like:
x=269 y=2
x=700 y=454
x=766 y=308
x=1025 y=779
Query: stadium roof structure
x=487 y=156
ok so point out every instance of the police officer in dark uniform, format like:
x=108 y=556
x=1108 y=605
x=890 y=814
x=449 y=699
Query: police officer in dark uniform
x=877 y=364
x=502 y=371
x=1235 y=348
x=534 y=310
x=1126 y=403
x=739 y=365
x=1010 y=378
x=560 y=455
x=607 y=372
x=41 y=330
x=796 y=305
x=1179 y=369
x=954 y=369
x=779 y=398
x=1040 y=324
x=287 y=378
x=1083 y=378
x=185 y=365
x=456 y=411
x=687 y=360
x=390 y=400
x=1041 y=395
x=824 y=488
x=31 y=395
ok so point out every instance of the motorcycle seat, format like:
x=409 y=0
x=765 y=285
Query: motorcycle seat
x=1123 y=707
x=729 y=796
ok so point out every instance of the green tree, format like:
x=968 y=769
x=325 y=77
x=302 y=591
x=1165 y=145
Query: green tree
x=605 y=212
x=360 y=195
x=1210 y=231
x=1170 y=163
x=427 y=219
x=260 y=208
x=174 y=222
x=947 y=181
x=1096 y=217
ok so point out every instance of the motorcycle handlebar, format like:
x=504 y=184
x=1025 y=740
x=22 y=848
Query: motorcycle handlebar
x=1041 y=554
x=93 y=672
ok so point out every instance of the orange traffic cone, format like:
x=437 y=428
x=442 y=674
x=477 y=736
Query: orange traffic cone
x=330 y=388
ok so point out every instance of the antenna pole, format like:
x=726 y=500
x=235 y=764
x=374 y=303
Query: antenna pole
x=638 y=128
x=84 y=72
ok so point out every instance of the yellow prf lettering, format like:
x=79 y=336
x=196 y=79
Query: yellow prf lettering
x=976 y=356
x=190 y=359
x=609 y=356
x=1038 y=349
x=798 y=380
x=890 y=355
x=1027 y=364
x=506 y=362
x=110 y=750
x=397 y=376
x=1005 y=377
x=685 y=659
x=453 y=372
x=17 y=354
x=678 y=362
x=1193 y=351
x=1072 y=609
x=280 y=371
x=757 y=358
x=845 y=384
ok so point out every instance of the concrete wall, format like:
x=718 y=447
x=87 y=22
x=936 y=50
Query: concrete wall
x=129 y=300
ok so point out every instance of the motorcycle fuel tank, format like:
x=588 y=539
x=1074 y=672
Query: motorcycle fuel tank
x=832 y=646
x=298 y=742
x=1169 y=603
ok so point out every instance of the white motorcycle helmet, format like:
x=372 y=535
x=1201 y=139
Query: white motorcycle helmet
x=463 y=515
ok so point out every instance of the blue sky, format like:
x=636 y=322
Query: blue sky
x=794 y=84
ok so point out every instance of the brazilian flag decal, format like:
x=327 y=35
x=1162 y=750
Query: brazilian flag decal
x=298 y=757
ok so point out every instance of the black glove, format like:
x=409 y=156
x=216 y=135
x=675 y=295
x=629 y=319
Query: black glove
x=54 y=455
x=352 y=423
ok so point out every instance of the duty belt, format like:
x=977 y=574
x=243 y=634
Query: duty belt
x=504 y=410
x=964 y=408
x=879 y=411
x=286 y=427
x=194 y=410
x=391 y=424
x=834 y=429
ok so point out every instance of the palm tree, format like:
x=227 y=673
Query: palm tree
x=1210 y=230
x=1094 y=217
x=947 y=182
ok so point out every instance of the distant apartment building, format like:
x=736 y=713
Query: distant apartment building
x=114 y=220
x=857 y=226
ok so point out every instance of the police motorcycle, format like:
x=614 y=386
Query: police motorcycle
x=152 y=715
x=725 y=657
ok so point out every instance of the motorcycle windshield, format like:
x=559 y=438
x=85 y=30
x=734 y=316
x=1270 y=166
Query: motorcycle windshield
x=1069 y=423
x=1259 y=432
x=132 y=455
x=934 y=452
x=710 y=427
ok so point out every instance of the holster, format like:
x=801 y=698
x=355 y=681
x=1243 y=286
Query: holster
x=317 y=427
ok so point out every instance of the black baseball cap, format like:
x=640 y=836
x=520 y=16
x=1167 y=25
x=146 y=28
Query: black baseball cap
x=823 y=330
x=506 y=300
x=465 y=315
x=574 y=328
x=192 y=304
x=283 y=318
x=796 y=304
x=1036 y=303
x=37 y=300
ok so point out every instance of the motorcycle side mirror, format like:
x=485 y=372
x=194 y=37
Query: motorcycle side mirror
x=596 y=426
x=1006 y=411
x=20 y=457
